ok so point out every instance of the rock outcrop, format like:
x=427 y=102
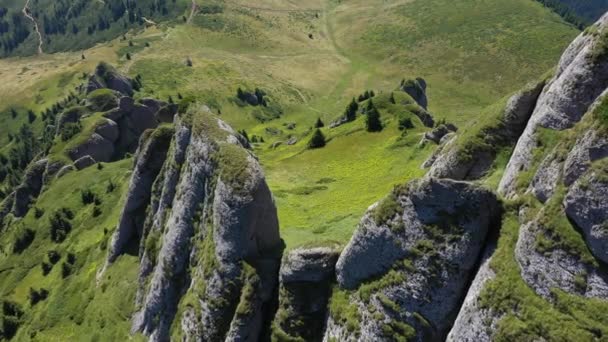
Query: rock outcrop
x=556 y=268
x=106 y=76
x=209 y=245
x=417 y=90
x=411 y=259
x=306 y=277
x=472 y=154
x=29 y=189
x=586 y=206
x=580 y=79
x=474 y=323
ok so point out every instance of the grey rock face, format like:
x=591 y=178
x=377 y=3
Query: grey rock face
x=587 y=206
x=306 y=276
x=417 y=90
x=473 y=323
x=210 y=233
x=545 y=181
x=556 y=269
x=440 y=263
x=97 y=147
x=84 y=162
x=590 y=147
x=578 y=83
x=450 y=163
x=149 y=160
x=106 y=76
x=108 y=130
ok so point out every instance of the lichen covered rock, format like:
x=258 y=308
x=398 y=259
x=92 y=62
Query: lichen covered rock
x=207 y=231
x=406 y=268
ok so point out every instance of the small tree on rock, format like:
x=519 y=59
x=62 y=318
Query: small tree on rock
x=317 y=140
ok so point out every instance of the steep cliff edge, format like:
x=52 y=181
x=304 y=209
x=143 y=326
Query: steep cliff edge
x=547 y=278
x=209 y=243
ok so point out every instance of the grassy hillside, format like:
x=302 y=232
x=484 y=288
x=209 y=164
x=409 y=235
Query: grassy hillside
x=311 y=60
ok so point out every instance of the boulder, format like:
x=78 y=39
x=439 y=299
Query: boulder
x=309 y=265
x=437 y=133
x=96 y=146
x=84 y=162
x=108 y=129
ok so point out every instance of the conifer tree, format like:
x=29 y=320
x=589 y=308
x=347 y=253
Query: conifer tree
x=351 y=110
x=372 y=120
x=319 y=123
x=317 y=140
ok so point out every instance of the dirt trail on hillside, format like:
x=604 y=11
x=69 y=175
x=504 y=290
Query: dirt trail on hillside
x=26 y=13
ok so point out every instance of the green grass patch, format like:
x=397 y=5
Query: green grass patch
x=528 y=316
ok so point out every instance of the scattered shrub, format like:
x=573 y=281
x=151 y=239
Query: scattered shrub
x=87 y=196
x=69 y=130
x=38 y=212
x=405 y=123
x=23 y=240
x=60 y=224
x=37 y=296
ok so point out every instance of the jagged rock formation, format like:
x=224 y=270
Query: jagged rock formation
x=18 y=202
x=305 y=278
x=410 y=260
x=580 y=79
x=473 y=322
x=558 y=172
x=209 y=244
x=471 y=155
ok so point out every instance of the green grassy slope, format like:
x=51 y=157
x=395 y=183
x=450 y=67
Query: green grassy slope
x=76 y=306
